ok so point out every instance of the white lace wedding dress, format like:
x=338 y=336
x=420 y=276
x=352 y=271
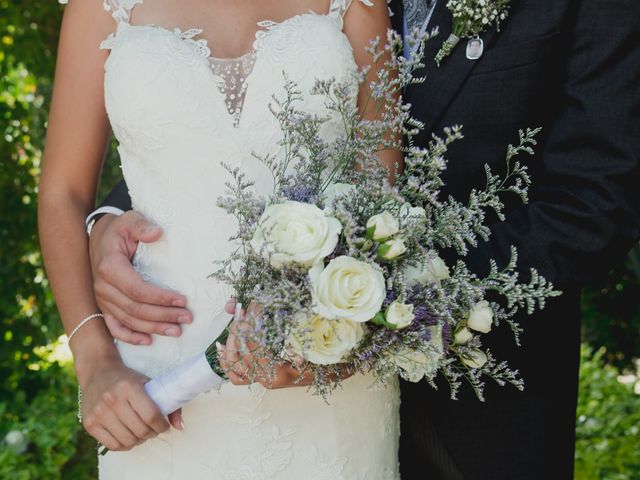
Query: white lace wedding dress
x=177 y=112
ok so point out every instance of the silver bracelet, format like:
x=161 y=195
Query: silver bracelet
x=82 y=323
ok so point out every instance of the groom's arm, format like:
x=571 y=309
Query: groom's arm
x=116 y=202
x=133 y=308
x=584 y=211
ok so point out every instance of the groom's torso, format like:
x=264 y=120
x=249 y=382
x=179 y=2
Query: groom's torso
x=516 y=83
x=511 y=86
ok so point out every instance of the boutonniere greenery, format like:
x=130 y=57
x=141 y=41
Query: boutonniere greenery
x=470 y=19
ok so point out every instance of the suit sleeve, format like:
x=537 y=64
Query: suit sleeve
x=584 y=210
x=118 y=198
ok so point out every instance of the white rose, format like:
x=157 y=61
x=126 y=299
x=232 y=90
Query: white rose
x=295 y=232
x=336 y=191
x=382 y=226
x=399 y=314
x=325 y=342
x=481 y=317
x=433 y=270
x=17 y=441
x=462 y=337
x=392 y=249
x=347 y=288
x=417 y=364
x=474 y=359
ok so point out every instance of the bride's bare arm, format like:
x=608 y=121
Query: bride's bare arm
x=362 y=24
x=77 y=135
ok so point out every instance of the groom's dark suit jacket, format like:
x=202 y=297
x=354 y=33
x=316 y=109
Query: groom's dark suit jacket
x=572 y=67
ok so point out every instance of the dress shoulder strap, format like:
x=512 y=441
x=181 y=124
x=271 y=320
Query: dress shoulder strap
x=340 y=7
x=120 y=9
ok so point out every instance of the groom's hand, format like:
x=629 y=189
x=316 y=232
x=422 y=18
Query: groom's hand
x=133 y=309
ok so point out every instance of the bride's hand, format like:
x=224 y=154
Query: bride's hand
x=117 y=411
x=243 y=363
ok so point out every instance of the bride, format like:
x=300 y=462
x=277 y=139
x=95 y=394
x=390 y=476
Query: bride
x=186 y=85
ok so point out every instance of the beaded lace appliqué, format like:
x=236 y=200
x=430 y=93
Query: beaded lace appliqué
x=232 y=74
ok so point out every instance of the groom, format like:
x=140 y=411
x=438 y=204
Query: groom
x=569 y=66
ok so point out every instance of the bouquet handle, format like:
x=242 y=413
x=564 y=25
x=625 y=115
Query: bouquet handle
x=181 y=384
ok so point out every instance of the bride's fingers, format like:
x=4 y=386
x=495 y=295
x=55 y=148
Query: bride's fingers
x=133 y=421
x=175 y=419
x=148 y=411
x=230 y=306
x=103 y=436
x=114 y=424
x=228 y=368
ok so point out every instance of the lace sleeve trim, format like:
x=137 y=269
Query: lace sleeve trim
x=121 y=13
x=340 y=7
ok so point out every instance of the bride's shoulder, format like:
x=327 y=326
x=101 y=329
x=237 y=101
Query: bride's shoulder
x=88 y=20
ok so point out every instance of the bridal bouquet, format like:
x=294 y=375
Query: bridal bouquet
x=344 y=268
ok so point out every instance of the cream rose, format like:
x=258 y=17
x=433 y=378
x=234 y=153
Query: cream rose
x=462 y=336
x=295 y=232
x=325 y=342
x=347 y=288
x=416 y=364
x=433 y=270
x=392 y=249
x=383 y=225
x=474 y=359
x=480 y=317
x=400 y=315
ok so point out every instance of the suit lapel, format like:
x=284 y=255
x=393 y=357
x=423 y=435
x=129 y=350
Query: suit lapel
x=431 y=99
x=396 y=20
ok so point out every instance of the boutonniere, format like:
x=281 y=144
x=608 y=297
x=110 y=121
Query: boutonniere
x=470 y=19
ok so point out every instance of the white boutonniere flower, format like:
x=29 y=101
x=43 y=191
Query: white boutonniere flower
x=470 y=19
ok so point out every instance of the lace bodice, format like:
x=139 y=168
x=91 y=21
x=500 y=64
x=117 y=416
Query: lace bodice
x=178 y=114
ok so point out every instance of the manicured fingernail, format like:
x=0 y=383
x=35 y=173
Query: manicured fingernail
x=181 y=423
x=180 y=302
x=144 y=341
x=172 y=331
x=184 y=319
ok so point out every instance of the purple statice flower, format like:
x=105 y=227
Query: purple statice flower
x=300 y=193
x=390 y=298
x=423 y=315
x=446 y=336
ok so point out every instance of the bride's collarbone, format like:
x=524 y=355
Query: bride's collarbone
x=228 y=27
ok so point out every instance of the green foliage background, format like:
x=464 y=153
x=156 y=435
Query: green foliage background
x=37 y=384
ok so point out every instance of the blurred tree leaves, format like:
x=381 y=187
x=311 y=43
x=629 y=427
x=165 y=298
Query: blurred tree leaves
x=28 y=39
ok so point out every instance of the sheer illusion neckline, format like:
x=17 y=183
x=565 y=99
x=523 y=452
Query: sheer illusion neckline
x=232 y=74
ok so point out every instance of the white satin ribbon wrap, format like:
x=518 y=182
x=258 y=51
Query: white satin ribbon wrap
x=178 y=386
